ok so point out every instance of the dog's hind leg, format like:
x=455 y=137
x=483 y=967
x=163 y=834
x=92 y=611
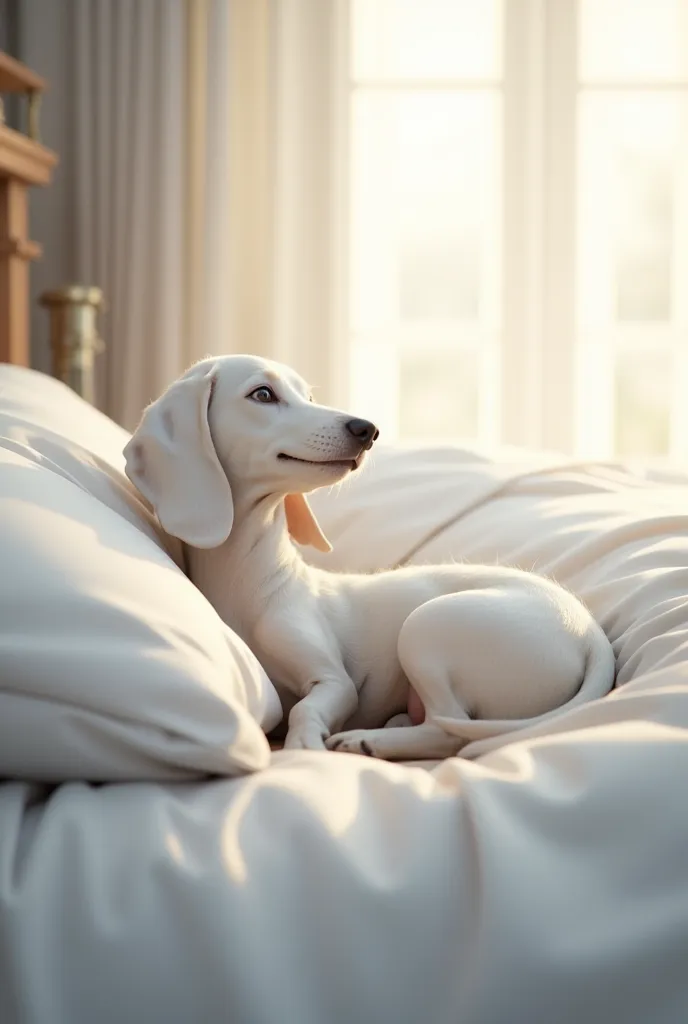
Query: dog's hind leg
x=400 y=740
x=398 y=743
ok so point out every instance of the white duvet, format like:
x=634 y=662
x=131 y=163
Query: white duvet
x=545 y=882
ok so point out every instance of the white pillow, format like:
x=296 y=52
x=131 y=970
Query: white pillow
x=112 y=664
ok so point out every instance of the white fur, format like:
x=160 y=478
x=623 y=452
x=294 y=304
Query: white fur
x=493 y=644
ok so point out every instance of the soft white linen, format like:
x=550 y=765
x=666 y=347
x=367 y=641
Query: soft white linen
x=547 y=885
x=545 y=882
x=616 y=536
x=112 y=665
x=403 y=495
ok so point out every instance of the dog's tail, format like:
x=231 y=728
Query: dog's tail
x=484 y=735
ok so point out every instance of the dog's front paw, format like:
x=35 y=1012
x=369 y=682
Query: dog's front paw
x=307 y=736
x=355 y=741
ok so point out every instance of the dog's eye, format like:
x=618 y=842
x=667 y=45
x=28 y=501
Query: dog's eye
x=264 y=395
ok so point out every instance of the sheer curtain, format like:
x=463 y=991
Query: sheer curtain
x=188 y=192
x=129 y=186
x=249 y=175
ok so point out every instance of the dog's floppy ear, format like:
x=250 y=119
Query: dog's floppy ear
x=302 y=524
x=172 y=460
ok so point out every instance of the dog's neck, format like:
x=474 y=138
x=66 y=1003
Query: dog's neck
x=259 y=549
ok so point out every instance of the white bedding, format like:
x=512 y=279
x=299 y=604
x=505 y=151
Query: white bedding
x=616 y=535
x=544 y=882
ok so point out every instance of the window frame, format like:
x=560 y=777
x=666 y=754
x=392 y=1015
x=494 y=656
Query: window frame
x=552 y=376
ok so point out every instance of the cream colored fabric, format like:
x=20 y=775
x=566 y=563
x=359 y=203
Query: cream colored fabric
x=545 y=882
x=112 y=664
x=378 y=516
x=549 y=884
x=616 y=536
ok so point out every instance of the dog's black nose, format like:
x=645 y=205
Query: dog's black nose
x=363 y=430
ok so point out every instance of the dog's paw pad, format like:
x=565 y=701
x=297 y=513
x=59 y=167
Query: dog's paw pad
x=351 y=743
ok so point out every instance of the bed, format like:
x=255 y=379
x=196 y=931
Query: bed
x=159 y=862
x=24 y=163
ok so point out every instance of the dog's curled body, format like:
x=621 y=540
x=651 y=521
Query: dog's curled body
x=485 y=649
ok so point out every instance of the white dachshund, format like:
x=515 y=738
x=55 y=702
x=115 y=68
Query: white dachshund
x=225 y=457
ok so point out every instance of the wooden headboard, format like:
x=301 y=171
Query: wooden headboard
x=23 y=162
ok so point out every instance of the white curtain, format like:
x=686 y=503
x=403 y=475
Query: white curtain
x=128 y=181
x=150 y=138
x=188 y=191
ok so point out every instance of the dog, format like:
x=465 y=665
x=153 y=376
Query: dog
x=403 y=664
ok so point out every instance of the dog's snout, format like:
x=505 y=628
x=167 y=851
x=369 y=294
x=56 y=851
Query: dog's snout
x=363 y=430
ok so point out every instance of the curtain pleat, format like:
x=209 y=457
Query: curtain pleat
x=129 y=132
x=114 y=381
x=216 y=335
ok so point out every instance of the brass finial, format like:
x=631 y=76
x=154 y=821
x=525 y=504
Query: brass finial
x=74 y=338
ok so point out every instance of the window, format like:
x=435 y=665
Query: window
x=517 y=214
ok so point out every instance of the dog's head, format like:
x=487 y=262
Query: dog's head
x=240 y=422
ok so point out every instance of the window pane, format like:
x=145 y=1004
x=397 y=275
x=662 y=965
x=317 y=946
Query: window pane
x=373 y=379
x=439 y=395
x=425 y=208
x=643 y=403
x=641 y=40
x=425 y=39
x=644 y=240
x=630 y=160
